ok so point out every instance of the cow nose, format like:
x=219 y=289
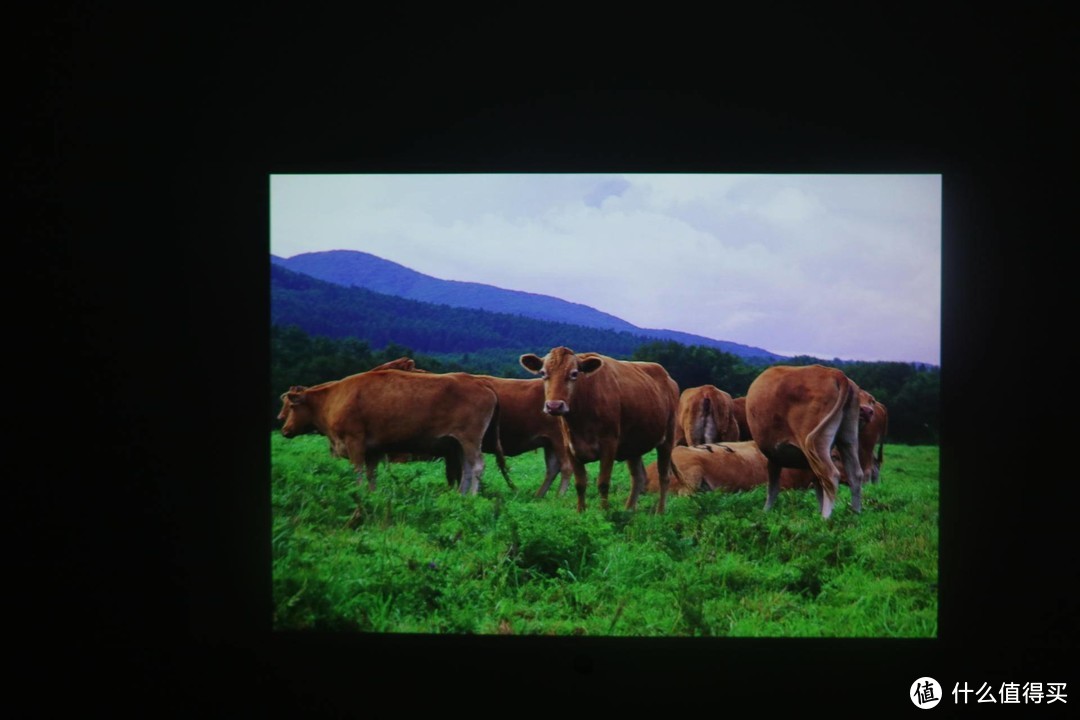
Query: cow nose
x=556 y=407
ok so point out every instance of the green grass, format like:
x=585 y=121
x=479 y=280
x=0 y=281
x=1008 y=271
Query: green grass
x=424 y=559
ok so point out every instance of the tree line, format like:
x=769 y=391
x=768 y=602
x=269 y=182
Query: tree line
x=909 y=391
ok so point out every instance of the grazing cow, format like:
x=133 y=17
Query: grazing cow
x=610 y=410
x=727 y=467
x=796 y=415
x=873 y=420
x=372 y=414
x=738 y=409
x=523 y=427
x=873 y=424
x=705 y=416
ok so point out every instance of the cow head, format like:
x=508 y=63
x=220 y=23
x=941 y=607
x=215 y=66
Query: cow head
x=561 y=369
x=295 y=413
x=866 y=407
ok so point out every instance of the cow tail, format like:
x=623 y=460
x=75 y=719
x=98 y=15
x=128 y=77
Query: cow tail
x=492 y=440
x=817 y=463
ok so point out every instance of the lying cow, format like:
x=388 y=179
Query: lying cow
x=705 y=416
x=610 y=410
x=727 y=467
x=373 y=414
x=796 y=415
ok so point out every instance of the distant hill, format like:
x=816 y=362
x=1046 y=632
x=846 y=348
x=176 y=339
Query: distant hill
x=322 y=308
x=351 y=268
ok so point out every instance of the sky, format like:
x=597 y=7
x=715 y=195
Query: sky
x=834 y=266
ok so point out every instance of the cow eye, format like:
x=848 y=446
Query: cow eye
x=573 y=374
x=543 y=373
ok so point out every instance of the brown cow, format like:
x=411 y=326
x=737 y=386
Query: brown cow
x=452 y=472
x=796 y=415
x=408 y=364
x=873 y=424
x=372 y=414
x=610 y=410
x=523 y=427
x=705 y=416
x=873 y=420
x=738 y=409
x=727 y=467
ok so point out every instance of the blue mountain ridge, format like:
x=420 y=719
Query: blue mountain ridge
x=353 y=268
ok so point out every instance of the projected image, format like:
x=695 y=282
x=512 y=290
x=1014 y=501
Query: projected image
x=605 y=405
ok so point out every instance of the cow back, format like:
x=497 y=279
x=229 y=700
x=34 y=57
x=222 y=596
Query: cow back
x=785 y=405
x=401 y=411
x=637 y=401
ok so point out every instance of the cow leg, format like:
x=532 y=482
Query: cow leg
x=603 y=477
x=664 y=469
x=581 y=483
x=854 y=472
x=774 y=484
x=552 y=465
x=453 y=468
x=847 y=442
x=566 y=470
x=371 y=464
x=478 y=472
x=472 y=463
x=637 y=481
x=364 y=464
x=819 y=493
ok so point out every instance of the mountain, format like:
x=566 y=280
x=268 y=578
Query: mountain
x=334 y=311
x=351 y=268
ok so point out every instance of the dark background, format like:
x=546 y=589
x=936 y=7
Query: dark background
x=139 y=557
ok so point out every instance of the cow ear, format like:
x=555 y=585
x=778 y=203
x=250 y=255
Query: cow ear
x=532 y=363
x=590 y=365
x=294 y=398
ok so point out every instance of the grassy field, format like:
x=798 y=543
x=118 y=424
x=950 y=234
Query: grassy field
x=424 y=559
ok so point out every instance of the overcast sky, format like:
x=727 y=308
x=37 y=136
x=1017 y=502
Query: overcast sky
x=844 y=266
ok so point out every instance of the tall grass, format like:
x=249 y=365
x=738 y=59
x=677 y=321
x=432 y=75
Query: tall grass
x=424 y=559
